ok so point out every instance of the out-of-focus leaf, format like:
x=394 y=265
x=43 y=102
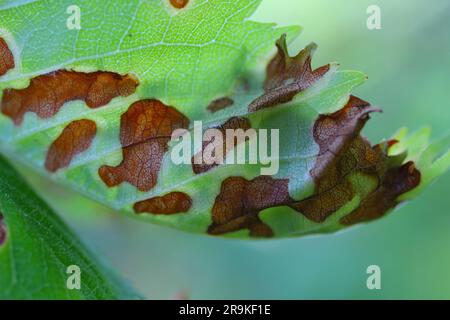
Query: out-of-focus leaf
x=37 y=249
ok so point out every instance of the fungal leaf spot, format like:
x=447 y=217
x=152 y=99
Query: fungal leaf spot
x=220 y=104
x=393 y=182
x=74 y=139
x=145 y=130
x=6 y=58
x=47 y=93
x=287 y=76
x=179 y=4
x=171 y=203
x=234 y=123
x=240 y=201
x=343 y=154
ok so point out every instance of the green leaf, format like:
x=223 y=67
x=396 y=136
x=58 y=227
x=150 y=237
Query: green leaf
x=36 y=248
x=93 y=109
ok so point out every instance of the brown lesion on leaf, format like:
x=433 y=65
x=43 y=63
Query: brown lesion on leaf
x=2 y=230
x=6 y=58
x=220 y=104
x=393 y=182
x=342 y=153
x=287 y=76
x=171 y=203
x=234 y=123
x=46 y=94
x=74 y=139
x=240 y=201
x=145 y=130
x=179 y=4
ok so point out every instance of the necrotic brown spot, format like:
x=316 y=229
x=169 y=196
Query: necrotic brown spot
x=336 y=134
x=171 y=203
x=145 y=130
x=46 y=94
x=220 y=104
x=393 y=183
x=179 y=4
x=343 y=152
x=6 y=58
x=240 y=201
x=234 y=123
x=75 y=138
x=2 y=230
x=287 y=76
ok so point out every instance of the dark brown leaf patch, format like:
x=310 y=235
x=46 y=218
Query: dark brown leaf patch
x=171 y=203
x=240 y=201
x=335 y=134
x=145 y=130
x=74 y=139
x=234 y=123
x=343 y=152
x=179 y=4
x=220 y=104
x=2 y=230
x=393 y=183
x=6 y=58
x=47 y=93
x=287 y=76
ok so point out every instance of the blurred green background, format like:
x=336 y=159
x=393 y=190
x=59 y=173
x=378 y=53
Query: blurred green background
x=408 y=64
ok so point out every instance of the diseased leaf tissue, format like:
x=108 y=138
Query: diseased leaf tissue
x=46 y=94
x=6 y=58
x=95 y=109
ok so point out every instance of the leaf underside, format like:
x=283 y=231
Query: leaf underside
x=94 y=109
